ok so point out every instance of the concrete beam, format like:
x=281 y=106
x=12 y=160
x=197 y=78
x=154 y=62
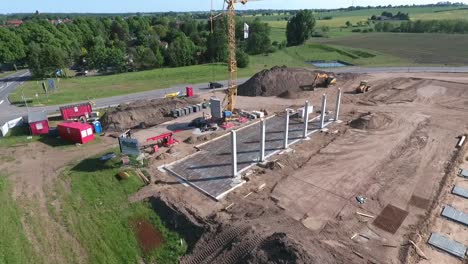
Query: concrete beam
x=324 y=109
x=234 y=153
x=338 y=103
x=306 y=119
x=262 y=140
x=286 y=129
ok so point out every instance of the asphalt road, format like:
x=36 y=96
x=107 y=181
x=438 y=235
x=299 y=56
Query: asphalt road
x=11 y=82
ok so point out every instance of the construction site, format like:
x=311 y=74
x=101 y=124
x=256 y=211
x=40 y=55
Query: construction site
x=294 y=165
x=343 y=174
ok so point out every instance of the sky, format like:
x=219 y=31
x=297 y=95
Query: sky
x=130 y=6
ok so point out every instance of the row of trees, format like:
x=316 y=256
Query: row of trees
x=119 y=44
x=390 y=15
x=425 y=26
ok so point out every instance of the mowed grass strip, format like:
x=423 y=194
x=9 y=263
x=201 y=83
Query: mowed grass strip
x=15 y=248
x=96 y=211
x=419 y=48
x=89 y=88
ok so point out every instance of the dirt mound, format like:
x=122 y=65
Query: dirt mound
x=371 y=121
x=282 y=81
x=148 y=237
x=278 y=248
x=142 y=113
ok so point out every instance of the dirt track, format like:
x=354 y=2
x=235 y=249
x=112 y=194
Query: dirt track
x=398 y=156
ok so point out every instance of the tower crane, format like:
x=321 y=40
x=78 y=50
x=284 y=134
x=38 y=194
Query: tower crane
x=232 y=61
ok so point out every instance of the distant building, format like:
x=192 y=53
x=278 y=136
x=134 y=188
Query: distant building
x=15 y=22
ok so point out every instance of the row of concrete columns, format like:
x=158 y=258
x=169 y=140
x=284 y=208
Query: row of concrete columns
x=286 y=130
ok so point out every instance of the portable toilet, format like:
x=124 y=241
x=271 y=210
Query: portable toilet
x=189 y=91
x=97 y=127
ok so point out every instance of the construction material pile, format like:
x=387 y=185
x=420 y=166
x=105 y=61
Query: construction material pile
x=142 y=113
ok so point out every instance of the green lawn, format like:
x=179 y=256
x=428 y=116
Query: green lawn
x=15 y=248
x=80 y=89
x=95 y=210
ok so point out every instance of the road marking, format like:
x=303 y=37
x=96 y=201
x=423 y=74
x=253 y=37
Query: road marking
x=1 y=102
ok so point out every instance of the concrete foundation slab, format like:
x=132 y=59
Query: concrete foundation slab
x=210 y=169
x=455 y=215
x=464 y=173
x=457 y=190
x=447 y=245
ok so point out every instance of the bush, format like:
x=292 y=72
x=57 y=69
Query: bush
x=242 y=59
x=356 y=30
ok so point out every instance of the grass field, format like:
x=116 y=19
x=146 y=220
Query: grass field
x=96 y=211
x=435 y=49
x=14 y=246
x=80 y=89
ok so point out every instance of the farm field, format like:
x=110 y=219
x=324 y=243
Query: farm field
x=418 y=48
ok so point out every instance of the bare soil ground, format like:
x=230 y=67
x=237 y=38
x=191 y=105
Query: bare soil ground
x=396 y=147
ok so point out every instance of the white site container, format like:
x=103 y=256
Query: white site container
x=258 y=114
x=300 y=111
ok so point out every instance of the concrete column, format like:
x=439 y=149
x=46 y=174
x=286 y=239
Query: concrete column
x=324 y=109
x=306 y=118
x=338 y=103
x=286 y=129
x=262 y=140
x=234 y=153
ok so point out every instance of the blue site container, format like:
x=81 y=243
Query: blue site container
x=97 y=127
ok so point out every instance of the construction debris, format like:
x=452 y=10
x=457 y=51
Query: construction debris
x=418 y=250
x=366 y=215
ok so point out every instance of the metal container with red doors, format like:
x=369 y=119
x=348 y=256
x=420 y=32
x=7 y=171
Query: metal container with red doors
x=189 y=91
x=38 y=123
x=76 y=132
x=76 y=111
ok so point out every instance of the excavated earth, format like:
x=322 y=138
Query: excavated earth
x=395 y=147
x=143 y=113
x=283 y=82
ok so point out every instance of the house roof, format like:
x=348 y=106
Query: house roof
x=77 y=125
x=36 y=117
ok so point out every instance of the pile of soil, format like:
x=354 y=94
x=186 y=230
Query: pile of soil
x=148 y=237
x=278 y=248
x=142 y=113
x=200 y=139
x=282 y=81
x=371 y=121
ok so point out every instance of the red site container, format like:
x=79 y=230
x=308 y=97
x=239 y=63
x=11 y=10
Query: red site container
x=189 y=90
x=70 y=112
x=76 y=132
x=38 y=123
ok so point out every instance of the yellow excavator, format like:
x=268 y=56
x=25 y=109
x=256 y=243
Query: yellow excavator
x=321 y=80
x=363 y=87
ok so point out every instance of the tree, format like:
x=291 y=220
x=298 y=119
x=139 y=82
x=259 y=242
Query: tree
x=217 y=46
x=11 y=47
x=348 y=24
x=181 y=52
x=259 y=38
x=242 y=59
x=300 y=27
x=44 y=60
